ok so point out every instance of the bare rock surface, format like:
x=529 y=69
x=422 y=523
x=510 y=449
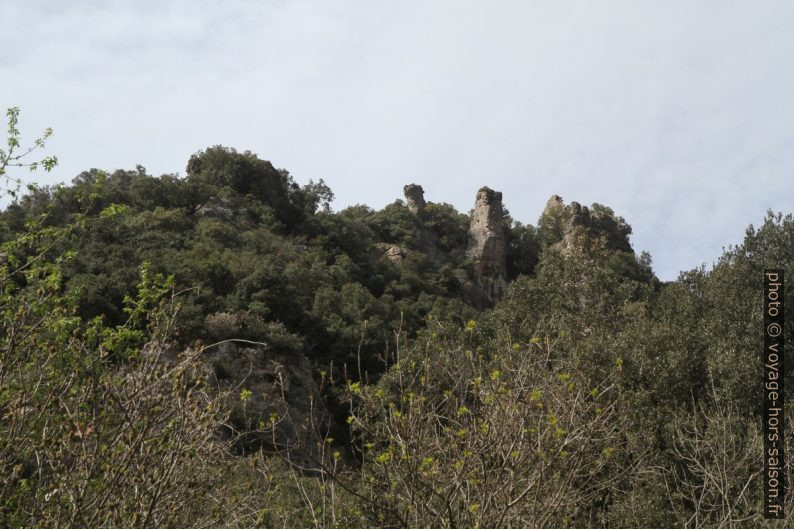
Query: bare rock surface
x=414 y=198
x=577 y=222
x=487 y=245
x=392 y=252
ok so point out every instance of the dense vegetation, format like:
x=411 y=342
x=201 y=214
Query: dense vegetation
x=593 y=395
x=256 y=253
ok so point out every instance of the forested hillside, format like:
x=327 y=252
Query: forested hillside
x=223 y=349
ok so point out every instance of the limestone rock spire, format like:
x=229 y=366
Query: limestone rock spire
x=414 y=198
x=487 y=245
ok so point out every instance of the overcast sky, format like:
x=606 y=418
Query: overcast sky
x=677 y=114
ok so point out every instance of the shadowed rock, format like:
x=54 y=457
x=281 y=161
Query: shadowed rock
x=283 y=412
x=414 y=198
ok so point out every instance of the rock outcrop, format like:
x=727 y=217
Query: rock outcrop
x=554 y=206
x=392 y=253
x=275 y=402
x=487 y=246
x=414 y=198
x=573 y=222
x=426 y=240
x=226 y=210
x=565 y=228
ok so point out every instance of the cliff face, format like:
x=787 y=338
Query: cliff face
x=487 y=246
x=574 y=221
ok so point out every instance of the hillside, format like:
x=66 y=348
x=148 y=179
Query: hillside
x=413 y=366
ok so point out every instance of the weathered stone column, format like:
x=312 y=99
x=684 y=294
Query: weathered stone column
x=414 y=197
x=487 y=245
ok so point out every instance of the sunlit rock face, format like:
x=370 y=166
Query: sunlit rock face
x=391 y=252
x=487 y=246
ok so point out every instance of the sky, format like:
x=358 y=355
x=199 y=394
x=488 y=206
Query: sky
x=679 y=115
